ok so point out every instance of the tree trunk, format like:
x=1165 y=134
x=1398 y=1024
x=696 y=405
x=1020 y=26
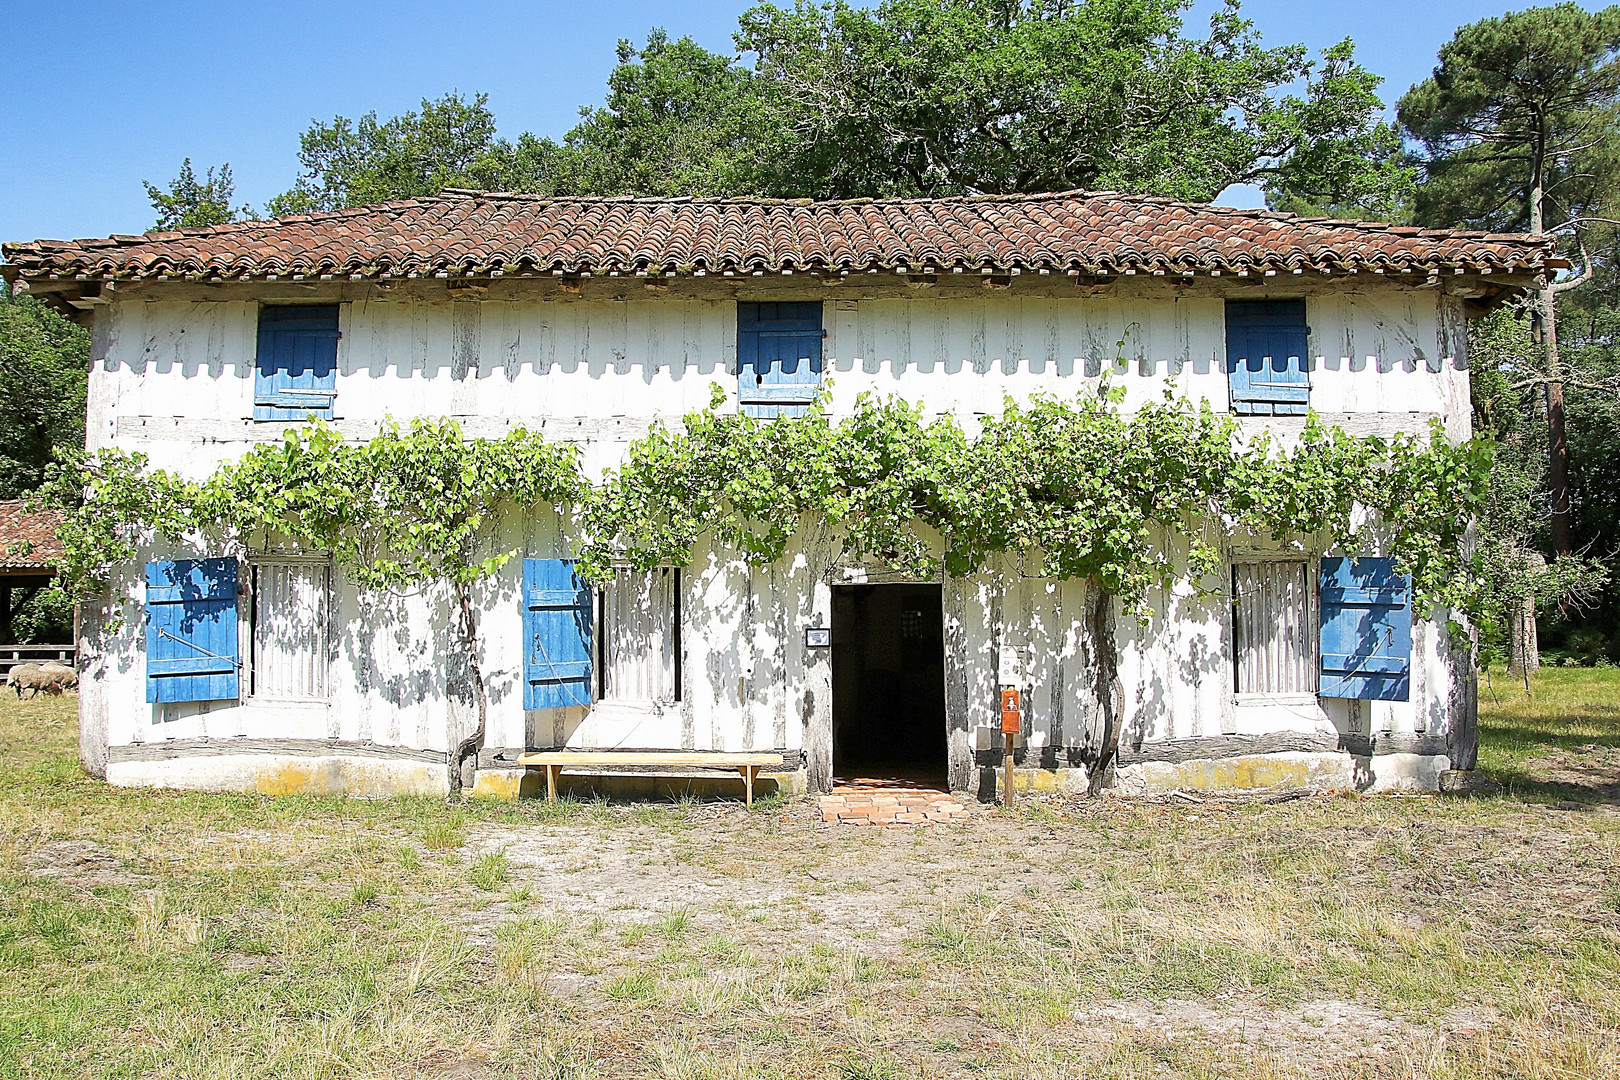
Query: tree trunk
x=474 y=742
x=1524 y=653
x=1557 y=444
x=1110 y=695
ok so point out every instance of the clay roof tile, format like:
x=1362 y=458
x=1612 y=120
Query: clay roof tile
x=480 y=231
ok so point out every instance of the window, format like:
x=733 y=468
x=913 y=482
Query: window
x=297 y=363
x=291 y=599
x=1266 y=346
x=1274 y=629
x=639 y=643
x=778 y=358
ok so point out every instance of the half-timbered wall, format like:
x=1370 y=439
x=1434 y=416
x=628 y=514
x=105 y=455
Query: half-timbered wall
x=174 y=379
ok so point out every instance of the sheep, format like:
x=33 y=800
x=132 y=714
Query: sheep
x=49 y=678
x=66 y=677
x=25 y=675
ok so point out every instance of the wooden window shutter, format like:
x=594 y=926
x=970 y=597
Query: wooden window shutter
x=296 y=373
x=778 y=357
x=557 y=635
x=191 y=638
x=1366 y=642
x=1266 y=364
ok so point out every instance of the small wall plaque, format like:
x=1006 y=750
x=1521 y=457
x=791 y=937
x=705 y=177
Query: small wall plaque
x=817 y=637
x=1011 y=668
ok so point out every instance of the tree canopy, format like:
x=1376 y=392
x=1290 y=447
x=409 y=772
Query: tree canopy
x=912 y=97
x=451 y=142
x=42 y=389
x=189 y=203
x=1516 y=127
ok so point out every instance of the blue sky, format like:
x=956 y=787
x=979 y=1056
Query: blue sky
x=103 y=95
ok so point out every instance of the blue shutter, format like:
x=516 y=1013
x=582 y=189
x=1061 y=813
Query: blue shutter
x=778 y=358
x=1266 y=346
x=297 y=367
x=1366 y=630
x=556 y=635
x=191 y=650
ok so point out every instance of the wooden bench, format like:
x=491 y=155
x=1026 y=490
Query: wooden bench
x=556 y=760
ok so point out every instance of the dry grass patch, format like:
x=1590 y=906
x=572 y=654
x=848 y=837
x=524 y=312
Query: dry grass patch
x=180 y=935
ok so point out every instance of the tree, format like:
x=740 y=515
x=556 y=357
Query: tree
x=1589 y=338
x=450 y=143
x=1517 y=131
x=913 y=97
x=678 y=120
x=936 y=97
x=1519 y=583
x=43 y=361
x=193 y=204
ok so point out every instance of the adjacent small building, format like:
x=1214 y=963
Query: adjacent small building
x=29 y=551
x=593 y=319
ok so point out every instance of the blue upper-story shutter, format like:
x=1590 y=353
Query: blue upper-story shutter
x=297 y=363
x=1366 y=630
x=191 y=640
x=557 y=635
x=778 y=357
x=1266 y=346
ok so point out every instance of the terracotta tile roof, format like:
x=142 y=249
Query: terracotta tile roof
x=19 y=528
x=466 y=233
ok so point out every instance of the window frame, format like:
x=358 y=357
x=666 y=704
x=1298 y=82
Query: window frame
x=1309 y=633
x=251 y=692
x=602 y=628
x=1235 y=311
x=267 y=410
x=751 y=320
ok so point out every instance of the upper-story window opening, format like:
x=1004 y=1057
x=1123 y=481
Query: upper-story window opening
x=778 y=357
x=1267 y=342
x=296 y=370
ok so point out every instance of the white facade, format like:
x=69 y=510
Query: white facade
x=377 y=695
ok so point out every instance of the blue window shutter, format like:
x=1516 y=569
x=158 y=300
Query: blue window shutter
x=297 y=363
x=778 y=358
x=191 y=643
x=1266 y=346
x=556 y=635
x=1366 y=630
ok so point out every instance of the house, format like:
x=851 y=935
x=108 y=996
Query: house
x=593 y=319
x=29 y=551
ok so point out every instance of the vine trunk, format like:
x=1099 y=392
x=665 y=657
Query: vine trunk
x=475 y=742
x=1110 y=695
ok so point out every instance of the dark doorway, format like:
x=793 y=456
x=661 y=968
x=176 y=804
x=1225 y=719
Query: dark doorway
x=888 y=654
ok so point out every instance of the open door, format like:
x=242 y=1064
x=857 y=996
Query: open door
x=888 y=699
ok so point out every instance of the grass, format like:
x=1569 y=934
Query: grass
x=1571 y=713
x=164 y=934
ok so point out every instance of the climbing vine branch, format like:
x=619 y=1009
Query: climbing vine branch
x=1081 y=486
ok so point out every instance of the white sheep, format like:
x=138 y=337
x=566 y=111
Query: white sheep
x=49 y=678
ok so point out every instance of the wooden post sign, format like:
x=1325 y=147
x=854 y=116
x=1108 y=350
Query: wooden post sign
x=1012 y=722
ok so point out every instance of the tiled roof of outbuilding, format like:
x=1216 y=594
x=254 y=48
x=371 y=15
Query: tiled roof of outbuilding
x=36 y=532
x=466 y=233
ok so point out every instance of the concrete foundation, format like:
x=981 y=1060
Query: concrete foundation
x=277 y=774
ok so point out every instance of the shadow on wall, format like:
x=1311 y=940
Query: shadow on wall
x=490 y=338
x=1195 y=665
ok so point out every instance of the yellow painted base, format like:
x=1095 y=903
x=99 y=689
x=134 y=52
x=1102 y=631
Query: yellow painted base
x=531 y=783
x=278 y=774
